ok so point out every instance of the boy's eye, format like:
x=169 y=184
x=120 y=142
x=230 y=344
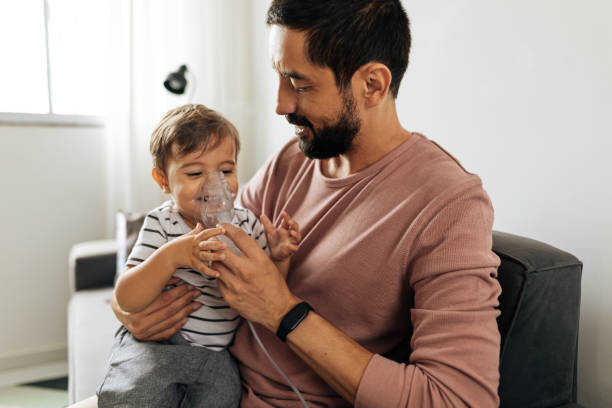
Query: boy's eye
x=227 y=171
x=194 y=174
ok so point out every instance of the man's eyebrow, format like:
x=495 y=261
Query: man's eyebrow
x=289 y=74
x=294 y=75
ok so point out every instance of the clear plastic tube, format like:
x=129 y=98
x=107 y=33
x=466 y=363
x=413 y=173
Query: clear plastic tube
x=280 y=371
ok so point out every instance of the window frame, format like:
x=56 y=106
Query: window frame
x=49 y=119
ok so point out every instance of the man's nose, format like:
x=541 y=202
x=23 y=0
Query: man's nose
x=286 y=102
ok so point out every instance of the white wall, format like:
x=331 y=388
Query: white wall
x=53 y=196
x=521 y=92
x=212 y=39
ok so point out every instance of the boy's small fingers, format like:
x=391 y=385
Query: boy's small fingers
x=212 y=245
x=209 y=233
x=211 y=256
x=202 y=267
x=265 y=221
x=196 y=230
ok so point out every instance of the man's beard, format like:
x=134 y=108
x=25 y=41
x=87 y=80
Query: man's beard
x=334 y=139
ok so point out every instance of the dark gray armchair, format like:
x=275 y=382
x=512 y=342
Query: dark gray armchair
x=540 y=305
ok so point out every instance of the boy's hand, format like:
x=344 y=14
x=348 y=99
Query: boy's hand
x=197 y=249
x=283 y=242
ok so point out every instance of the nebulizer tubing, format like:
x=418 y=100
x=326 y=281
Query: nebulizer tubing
x=280 y=371
x=215 y=204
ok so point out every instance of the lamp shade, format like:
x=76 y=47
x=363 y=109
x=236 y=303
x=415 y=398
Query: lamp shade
x=176 y=82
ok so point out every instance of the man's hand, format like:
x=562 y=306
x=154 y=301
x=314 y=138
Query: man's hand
x=162 y=318
x=251 y=284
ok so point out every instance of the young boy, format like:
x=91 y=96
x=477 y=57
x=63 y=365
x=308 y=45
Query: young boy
x=193 y=368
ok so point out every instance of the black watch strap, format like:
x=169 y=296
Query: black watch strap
x=292 y=319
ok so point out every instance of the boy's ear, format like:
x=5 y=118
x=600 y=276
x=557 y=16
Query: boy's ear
x=160 y=179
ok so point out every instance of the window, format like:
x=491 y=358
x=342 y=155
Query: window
x=53 y=56
x=23 y=71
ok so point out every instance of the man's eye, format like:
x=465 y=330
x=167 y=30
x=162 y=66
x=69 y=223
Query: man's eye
x=301 y=89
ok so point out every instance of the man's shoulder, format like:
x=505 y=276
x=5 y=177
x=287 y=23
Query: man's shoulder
x=439 y=162
x=431 y=169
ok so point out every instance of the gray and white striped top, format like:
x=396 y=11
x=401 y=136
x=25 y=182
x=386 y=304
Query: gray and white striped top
x=214 y=324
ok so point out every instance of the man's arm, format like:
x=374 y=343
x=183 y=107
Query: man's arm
x=455 y=344
x=253 y=287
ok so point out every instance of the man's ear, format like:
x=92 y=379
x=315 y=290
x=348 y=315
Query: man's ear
x=373 y=80
x=160 y=179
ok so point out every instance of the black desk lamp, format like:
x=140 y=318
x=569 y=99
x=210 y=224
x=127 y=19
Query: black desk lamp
x=176 y=82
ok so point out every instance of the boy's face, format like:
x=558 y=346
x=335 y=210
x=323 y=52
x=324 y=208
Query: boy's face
x=184 y=174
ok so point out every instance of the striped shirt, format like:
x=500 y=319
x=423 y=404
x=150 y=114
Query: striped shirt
x=214 y=324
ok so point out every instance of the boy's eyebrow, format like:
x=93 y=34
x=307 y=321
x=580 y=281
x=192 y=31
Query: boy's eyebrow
x=198 y=163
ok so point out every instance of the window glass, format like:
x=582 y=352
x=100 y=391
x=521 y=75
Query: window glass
x=78 y=30
x=23 y=71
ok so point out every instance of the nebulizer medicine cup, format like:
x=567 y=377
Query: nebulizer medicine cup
x=214 y=204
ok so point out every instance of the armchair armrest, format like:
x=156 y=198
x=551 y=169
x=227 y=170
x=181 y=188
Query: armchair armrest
x=540 y=311
x=92 y=264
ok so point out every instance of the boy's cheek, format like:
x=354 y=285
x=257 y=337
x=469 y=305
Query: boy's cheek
x=233 y=184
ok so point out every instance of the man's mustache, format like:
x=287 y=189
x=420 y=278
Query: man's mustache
x=298 y=120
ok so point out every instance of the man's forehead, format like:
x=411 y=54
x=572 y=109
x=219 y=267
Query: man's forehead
x=287 y=52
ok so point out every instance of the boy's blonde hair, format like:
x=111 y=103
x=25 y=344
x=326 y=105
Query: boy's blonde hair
x=190 y=127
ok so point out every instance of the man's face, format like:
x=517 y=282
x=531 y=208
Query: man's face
x=326 y=120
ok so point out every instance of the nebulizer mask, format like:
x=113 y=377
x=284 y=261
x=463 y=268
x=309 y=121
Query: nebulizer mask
x=214 y=204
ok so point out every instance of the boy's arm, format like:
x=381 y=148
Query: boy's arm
x=283 y=266
x=140 y=285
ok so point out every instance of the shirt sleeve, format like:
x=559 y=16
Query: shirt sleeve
x=150 y=238
x=455 y=344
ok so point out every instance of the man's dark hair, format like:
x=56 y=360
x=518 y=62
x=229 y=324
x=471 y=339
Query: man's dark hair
x=346 y=34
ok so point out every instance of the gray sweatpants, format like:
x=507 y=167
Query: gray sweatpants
x=168 y=374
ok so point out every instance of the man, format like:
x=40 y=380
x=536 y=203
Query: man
x=396 y=257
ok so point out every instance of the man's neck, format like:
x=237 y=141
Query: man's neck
x=373 y=142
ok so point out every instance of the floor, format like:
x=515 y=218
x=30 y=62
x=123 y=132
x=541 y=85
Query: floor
x=42 y=394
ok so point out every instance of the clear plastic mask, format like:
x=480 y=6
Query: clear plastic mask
x=214 y=202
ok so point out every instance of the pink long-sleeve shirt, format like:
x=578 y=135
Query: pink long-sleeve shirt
x=397 y=256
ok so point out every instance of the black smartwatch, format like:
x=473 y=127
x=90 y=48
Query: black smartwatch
x=292 y=319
